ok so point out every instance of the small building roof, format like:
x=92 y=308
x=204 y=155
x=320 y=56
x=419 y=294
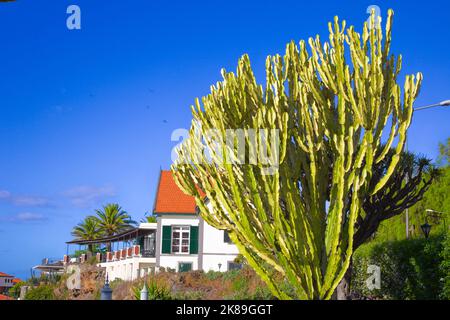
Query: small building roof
x=50 y=267
x=170 y=198
x=2 y=274
x=133 y=232
x=3 y=297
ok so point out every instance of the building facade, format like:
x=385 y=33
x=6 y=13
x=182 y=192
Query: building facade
x=180 y=240
x=184 y=240
x=6 y=282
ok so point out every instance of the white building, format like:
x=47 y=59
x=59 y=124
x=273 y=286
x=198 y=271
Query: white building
x=179 y=240
x=6 y=282
x=184 y=240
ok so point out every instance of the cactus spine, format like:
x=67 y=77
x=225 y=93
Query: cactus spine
x=298 y=221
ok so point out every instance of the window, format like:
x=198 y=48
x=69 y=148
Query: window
x=226 y=237
x=148 y=248
x=184 y=266
x=234 y=266
x=180 y=239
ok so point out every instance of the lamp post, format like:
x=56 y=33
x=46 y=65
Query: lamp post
x=106 y=292
x=444 y=103
x=426 y=228
x=144 y=292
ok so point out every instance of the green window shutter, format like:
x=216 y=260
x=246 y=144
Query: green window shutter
x=140 y=242
x=193 y=246
x=166 y=239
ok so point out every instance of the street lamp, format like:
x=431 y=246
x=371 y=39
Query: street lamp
x=437 y=214
x=444 y=103
x=426 y=228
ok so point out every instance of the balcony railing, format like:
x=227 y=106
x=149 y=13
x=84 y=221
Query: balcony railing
x=148 y=253
x=126 y=253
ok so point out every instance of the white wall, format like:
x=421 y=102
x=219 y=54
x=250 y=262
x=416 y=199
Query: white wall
x=6 y=283
x=213 y=249
x=213 y=241
x=211 y=262
x=216 y=250
x=172 y=260
x=178 y=220
x=129 y=269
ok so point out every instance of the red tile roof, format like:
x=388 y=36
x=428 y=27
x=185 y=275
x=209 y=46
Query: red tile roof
x=2 y=274
x=16 y=280
x=170 y=198
x=3 y=297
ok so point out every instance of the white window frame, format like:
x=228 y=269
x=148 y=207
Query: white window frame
x=181 y=231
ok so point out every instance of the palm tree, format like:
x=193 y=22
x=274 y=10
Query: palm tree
x=112 y=219
x=148 y=218
x=88 y=229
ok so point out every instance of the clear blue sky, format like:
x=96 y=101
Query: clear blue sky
x=86 y=115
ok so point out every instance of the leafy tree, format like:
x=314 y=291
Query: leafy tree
x=327 y=118
x=444 y=153
x=41 y=292
x=14 y=291
x=436 y=198
x=407 y=186
x=409 y=182
x=88 y=229
x=112 y=219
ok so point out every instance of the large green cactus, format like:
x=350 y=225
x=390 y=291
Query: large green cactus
x=297 y=220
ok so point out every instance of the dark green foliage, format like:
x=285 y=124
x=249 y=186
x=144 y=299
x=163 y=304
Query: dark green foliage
x=410 y=269
x=445 y=268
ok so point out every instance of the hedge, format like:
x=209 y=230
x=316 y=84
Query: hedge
x=410 y=269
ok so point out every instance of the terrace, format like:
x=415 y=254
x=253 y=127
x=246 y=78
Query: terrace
x=127 y=255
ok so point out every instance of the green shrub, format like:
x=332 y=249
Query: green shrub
x=231 y=274
x=189 y=295
x=156 y=291
x=213 y=275
x=42 y=292
x=262 y=293
x=410 y=269
x=114 y=283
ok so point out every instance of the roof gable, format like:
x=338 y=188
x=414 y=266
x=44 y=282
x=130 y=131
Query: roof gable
x=170 y=198
x=2 y=274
